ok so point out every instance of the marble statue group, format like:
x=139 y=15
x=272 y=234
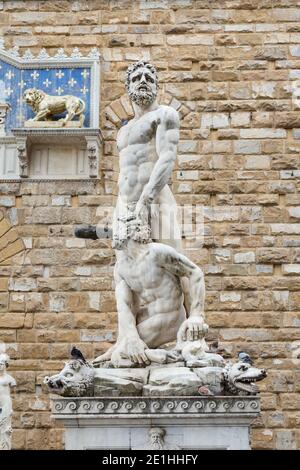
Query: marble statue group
x=160 y=293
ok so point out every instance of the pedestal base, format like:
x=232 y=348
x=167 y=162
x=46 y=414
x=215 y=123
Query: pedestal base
x=181 y=422
x=52 y=124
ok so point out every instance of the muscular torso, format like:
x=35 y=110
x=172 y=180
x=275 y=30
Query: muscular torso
x=155 y=289
x=137 y=151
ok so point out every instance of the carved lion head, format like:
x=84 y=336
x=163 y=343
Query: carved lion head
x=33 y=96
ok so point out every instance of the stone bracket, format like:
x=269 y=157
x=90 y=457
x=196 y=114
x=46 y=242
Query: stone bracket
x=93 y=152
x=22 y=154
x=4 y=108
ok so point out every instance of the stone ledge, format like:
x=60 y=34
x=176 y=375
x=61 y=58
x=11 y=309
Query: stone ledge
x=140 y=406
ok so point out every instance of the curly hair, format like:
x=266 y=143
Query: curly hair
x=137 y=65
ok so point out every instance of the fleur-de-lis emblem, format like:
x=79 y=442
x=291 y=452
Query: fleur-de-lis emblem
x=9 y=75
x=8 y=91
x=21 y=84
x=60 y=74
x=35 y=75
x=72 y=82
x=47 y=82
x=84 y=90
x=59 y=90
x=85 y=73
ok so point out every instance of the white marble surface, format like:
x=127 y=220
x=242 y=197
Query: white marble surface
x=6 y=382
x=188 y=423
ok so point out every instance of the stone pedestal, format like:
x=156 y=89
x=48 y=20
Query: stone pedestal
x=186 y=422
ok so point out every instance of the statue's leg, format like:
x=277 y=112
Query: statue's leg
x=165 y=226
x=41 y=115
x=69 y=116
x=81 y=119
x=105 y=356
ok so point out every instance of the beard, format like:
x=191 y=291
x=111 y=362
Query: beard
x=142 y=97
x=157 y=445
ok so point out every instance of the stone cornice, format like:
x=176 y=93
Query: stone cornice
x=84 y=131
x=44 y=60
x=144 y=406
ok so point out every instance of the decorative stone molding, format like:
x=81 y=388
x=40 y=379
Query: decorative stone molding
x=92 y=156
x=4 y=107
x=127 y=423
x=142 y=406
x=22 y=155
x=29 y=60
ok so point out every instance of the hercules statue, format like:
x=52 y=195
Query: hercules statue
x=151 y=274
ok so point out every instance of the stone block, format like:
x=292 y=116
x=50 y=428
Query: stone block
x=254 y=162
x=247 y=257
x=171 y=381
x=214 y=121
x=240 y=119
x=273 y=255
x=263 y=133
x=246 y=146
x=120 y=382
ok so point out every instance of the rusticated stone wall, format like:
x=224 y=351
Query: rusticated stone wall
x=231 y=67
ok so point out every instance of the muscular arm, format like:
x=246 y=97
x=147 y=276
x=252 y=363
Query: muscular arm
x=167 y=136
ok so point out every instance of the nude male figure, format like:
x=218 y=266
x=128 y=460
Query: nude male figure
x=149 y=294
x=149 y=297
x=147 y=147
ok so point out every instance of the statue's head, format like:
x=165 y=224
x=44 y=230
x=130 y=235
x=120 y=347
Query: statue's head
x=157 y=436
x=4 y=361
x=33 y=96
x=142 y=83
x=130 y=227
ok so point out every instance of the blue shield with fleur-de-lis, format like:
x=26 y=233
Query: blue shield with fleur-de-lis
x=60 y=77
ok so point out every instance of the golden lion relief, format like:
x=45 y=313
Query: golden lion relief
x=45 y=106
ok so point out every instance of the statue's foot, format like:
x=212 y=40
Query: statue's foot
x=130 y=348
x=174 y=356
x=159 y=356
x=206 y=360
x=104 y=357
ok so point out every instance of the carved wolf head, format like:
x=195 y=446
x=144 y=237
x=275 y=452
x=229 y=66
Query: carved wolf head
x=240 y=378
x=75 y=380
